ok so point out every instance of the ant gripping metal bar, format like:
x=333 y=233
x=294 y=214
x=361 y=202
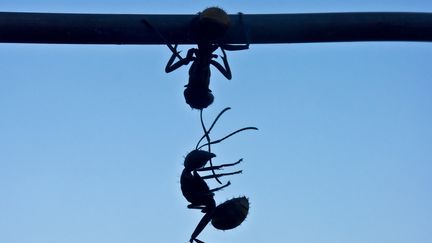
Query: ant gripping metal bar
x=62 y=28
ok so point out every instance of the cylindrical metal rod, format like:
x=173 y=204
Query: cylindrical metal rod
x=261 y=28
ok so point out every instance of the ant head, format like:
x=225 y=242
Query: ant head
x=198 y=98
x=197 y=159
x=211 y=24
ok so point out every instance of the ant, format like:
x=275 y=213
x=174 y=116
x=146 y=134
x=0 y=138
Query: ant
x=193 y=186
x=197 y=93
x=207 y=27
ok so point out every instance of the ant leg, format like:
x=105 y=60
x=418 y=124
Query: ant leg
x=201 y=225
x=191 y=206
x=221 y=187
x=231 y=164
x=226 y=71
x=171 y=60
x=222 y=174
x=245 y=29
x=171 y=66
x=218 y=167
x=230 y=47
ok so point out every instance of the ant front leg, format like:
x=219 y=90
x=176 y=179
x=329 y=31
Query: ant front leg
x=226 y=71
x=171 y=66
x=218 y=167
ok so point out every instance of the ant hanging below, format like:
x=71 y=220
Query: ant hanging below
x=225 y=216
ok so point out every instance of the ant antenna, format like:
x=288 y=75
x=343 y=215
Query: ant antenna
x=206 y=132
x=211 y=127
x=173 y=49
x=227 y=136
x=206 y=135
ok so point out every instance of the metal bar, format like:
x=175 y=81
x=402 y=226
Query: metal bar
x=60 y=28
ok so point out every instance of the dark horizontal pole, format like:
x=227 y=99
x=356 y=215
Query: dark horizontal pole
x=61 y=28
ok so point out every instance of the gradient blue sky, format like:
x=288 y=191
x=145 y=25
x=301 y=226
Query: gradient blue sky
x=92 y=138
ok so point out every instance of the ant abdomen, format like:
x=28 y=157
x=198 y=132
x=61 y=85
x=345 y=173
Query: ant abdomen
x=231 y=213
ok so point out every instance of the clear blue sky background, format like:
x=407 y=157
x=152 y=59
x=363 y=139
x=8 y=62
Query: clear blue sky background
x=92 y=138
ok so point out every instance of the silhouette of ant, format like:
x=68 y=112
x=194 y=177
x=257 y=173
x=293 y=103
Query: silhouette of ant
x=206 y=29
x=197 y=93
x=197 y=192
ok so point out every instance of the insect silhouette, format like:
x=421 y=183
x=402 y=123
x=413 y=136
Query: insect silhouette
x=197 y=192
x=206 y=29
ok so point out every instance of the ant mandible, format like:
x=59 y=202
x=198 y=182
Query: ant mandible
x=197 y=192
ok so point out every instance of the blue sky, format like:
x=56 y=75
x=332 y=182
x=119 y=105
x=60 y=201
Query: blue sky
x=92 y=138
